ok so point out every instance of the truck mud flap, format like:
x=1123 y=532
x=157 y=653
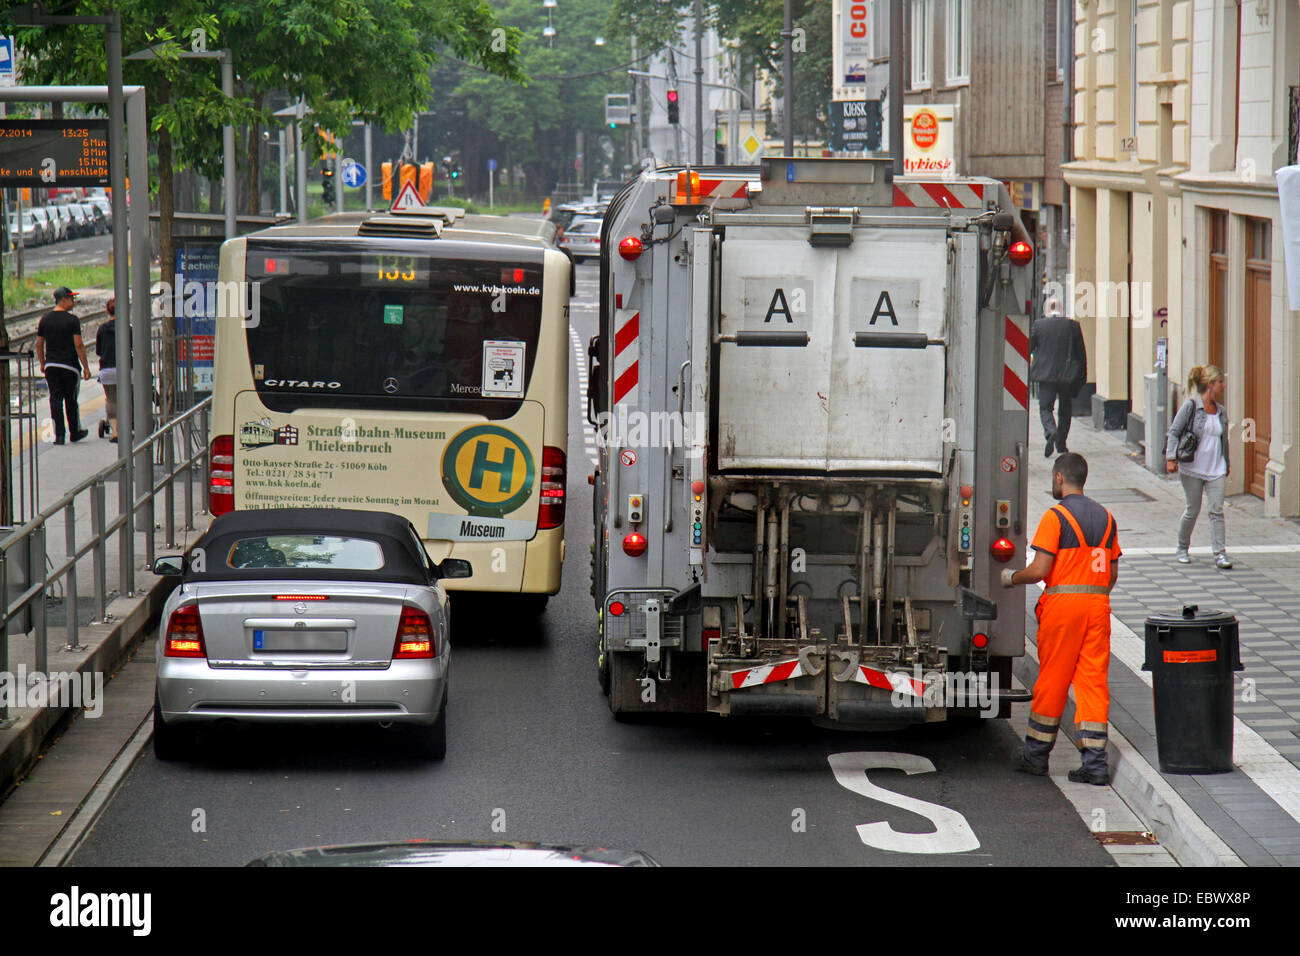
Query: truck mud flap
x=757 y=703
x=877 y=712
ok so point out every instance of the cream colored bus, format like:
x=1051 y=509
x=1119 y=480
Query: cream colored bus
x=415 y=363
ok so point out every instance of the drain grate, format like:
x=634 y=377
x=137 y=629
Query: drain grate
x=1126 y=838
x=1118 y=496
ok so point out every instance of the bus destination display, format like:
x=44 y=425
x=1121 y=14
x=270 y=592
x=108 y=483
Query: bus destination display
x=54 y=152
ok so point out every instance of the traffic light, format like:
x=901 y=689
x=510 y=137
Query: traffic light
x=673 y=107
x=455 y=171
x=327 y=185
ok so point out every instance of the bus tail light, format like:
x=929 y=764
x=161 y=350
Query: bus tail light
x=221 y=475
x=980 y=641
x=414 y=635
x=184 y=633
x=551 y=512
x=1003 y=550
x=1020 y=253
x=634 y=544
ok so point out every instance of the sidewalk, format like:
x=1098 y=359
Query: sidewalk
x=1255 y=809
x=105 y=642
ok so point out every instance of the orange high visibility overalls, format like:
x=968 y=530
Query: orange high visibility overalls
x=1073 y=636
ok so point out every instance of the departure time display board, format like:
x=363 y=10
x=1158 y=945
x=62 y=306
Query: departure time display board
x=54 y=152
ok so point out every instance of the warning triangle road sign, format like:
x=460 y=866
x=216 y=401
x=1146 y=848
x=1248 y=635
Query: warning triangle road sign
x=407 y=198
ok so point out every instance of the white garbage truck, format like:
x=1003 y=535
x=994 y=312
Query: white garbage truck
x=810 y=394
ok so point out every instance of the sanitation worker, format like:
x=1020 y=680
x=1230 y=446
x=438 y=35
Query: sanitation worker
x=1077 y=547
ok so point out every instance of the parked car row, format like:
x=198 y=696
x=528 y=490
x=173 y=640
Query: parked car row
x=91 y=216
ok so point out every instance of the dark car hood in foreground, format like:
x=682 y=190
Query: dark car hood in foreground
x=450 y=853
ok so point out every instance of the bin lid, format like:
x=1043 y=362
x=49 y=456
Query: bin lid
x=1191 y=615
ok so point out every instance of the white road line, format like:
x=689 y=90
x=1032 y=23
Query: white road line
x=1273 y=773
x=588 y=433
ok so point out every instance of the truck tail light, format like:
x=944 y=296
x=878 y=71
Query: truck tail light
x=1020 y=253
x=1003 y=550
x=616 y=608
x=184 y=633
x=980 y=641
x=414 y=635
x=634 y=544
x=221 y=475
x=551 y=512
x=630 y=248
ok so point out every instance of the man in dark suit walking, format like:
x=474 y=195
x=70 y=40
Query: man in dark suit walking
x=1060 y=367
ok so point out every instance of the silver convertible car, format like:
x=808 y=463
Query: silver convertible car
x=305 y=615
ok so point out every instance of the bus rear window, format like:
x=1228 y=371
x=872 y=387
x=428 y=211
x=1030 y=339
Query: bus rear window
x=392 y=328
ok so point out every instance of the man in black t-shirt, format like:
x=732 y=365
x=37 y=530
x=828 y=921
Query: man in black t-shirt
x=59 y=348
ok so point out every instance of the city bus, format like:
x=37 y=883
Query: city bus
x=415 y=363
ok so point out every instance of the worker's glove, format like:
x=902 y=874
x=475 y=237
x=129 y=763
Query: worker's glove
x=1006 y=577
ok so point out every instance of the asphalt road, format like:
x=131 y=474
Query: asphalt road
x=90 y=251
x=535 y=755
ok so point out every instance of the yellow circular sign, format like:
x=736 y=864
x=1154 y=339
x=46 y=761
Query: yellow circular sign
x=488 y=470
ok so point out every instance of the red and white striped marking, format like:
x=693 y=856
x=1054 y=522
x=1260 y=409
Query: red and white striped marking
x=767 y=674
x=627 y=353
x=897 y=682
x=723 y=188
x=1015 y=364
x=948 y=195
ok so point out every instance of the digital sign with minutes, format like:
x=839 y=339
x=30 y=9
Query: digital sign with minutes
x=54 y=152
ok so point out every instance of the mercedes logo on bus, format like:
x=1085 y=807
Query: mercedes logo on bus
x=390 y=385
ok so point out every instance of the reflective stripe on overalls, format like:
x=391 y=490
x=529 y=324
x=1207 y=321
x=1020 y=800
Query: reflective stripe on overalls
x=1074 y=641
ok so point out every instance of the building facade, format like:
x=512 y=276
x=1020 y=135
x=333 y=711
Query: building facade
x=1183 y=110
x=1004 y=65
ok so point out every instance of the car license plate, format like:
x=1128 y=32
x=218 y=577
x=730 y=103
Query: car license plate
x=299 y=639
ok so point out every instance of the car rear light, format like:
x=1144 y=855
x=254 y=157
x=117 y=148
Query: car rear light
x=1020 y=253
x=630 y=248
x=616 y=608
x=634 y=544
x=414 y=635
x=980 y=641
x=551 y=512
x=1003 y=550
x=184 y=633
x=221 y=475
x=302 y=597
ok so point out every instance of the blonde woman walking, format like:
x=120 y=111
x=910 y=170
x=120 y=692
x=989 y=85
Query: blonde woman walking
x=1196 y=447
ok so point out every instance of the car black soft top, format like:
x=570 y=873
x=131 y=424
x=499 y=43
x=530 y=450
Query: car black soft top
x=403 y=564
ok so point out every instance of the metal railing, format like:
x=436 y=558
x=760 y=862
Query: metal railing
x=181 y=448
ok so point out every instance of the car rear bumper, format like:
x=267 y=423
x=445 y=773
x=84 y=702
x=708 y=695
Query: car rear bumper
x=192 y=691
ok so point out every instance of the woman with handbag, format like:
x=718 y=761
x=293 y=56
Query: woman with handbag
x=1196 y=447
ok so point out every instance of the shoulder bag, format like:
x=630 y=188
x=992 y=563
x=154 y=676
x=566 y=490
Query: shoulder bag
x=1186 y=450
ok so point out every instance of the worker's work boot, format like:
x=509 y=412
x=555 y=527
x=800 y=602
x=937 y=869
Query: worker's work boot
x=1031 y=757
x=1095 y=769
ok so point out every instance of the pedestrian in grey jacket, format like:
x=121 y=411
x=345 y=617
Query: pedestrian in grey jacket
x=1207 y=473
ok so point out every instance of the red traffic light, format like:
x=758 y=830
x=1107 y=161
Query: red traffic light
x=672 y=96
x=1020 y=253
x=630 y=248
